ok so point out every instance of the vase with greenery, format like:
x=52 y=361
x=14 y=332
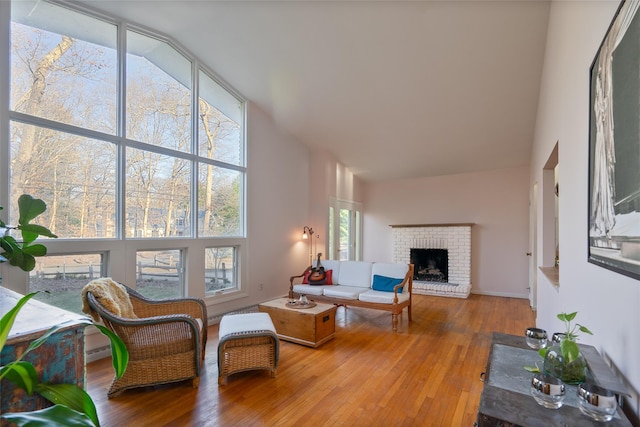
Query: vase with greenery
x=71 y=404
x=564 y=360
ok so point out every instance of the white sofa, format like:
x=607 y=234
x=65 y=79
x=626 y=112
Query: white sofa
x=355 y=283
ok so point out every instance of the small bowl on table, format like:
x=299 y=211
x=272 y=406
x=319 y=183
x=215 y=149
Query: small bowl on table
x=597 y=402
x=548 y=391
x=558 y=337
x=536 y=338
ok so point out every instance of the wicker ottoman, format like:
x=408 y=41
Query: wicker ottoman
x=247 y=342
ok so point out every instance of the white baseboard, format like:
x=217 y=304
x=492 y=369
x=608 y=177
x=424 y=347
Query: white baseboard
x=98 y=353
x=500 y=294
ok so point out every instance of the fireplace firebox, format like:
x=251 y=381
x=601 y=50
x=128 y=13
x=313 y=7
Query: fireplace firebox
x=430 y=265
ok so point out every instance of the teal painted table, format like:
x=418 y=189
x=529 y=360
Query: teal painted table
x=59 y=360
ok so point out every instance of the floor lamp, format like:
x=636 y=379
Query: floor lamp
x=307 y=233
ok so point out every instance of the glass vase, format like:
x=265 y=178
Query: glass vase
x=571 y=370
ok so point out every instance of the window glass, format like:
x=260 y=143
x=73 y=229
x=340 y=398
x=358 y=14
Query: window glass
x=332 y=240
x=159 y=274
x=158 y=194
x=63 y=66
x=345 y=235
x=220 y=202
x=158 y=93
x=345 y=230
x=220 y=269
x=112 y=142
x=74 y=175
x=60 y=278
x=219 y=130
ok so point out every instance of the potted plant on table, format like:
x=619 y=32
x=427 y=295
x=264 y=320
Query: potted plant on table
x=72 y=405
x=564 y=360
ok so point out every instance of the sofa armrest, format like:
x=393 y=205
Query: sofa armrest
x=408 y=282
x=292 y=278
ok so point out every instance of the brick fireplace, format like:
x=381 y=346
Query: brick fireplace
x=454 y=240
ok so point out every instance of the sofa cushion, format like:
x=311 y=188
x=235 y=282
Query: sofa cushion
x=343 y=292
x=328 y=279
x=330 y=264
x=385 y=284
x=245 y=322
x=310 y=289
x=381 y=297
x=355 y=273
x=397 y=271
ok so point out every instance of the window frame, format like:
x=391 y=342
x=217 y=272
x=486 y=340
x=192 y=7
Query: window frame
x=355 y=227
x=120 y=251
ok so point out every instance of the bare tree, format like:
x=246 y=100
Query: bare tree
x=33 y=101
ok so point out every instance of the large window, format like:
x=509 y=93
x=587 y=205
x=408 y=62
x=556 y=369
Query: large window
x=345 y=230
x=122 y=148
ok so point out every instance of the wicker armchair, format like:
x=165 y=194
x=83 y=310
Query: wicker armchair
x=166 y=343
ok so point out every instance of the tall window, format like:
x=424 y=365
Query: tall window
x=148 y=159
x=345 y=230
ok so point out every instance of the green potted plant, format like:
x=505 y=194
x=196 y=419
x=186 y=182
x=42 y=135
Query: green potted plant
x=564 y=360
x=72 y=405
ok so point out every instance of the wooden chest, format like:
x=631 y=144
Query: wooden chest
x=307 y=326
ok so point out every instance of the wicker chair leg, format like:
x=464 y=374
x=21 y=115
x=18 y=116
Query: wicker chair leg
x=196 y=382
x=113 y=391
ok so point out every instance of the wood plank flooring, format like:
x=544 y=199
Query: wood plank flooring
x=426 y=374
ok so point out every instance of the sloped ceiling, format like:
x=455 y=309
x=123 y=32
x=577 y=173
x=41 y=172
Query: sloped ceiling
x=392 y=89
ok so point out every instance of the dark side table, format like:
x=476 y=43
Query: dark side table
x=506 y=399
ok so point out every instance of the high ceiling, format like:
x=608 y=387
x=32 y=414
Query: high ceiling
x=392 y=89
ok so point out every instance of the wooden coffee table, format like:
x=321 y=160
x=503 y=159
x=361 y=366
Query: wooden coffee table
x=311 y=326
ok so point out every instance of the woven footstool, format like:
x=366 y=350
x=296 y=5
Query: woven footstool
x=247 y=342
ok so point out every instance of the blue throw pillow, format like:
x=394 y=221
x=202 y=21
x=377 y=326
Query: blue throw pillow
x=385 y=284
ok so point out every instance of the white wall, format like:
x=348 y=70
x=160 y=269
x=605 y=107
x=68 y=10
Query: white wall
x=607 y=302
x=278 y=181
x=328 y=178
x=496 y=201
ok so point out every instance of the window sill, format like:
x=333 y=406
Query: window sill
x=552 y=274
x=225 y=296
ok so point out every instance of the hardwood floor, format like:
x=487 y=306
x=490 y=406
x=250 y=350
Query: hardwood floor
x=426 y=374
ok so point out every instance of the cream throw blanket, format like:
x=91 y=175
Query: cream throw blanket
x=112 y=295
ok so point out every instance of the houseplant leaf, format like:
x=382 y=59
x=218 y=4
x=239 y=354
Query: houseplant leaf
x=54 y=416
x=29 y=208
x=7 y=320
x=70 y=395
x=22 y=374
x=23 y=260
x=31 y=231
x=39 y=341
x=569 y=350
x=585 y=330
x=119 y=352
x=35 y=250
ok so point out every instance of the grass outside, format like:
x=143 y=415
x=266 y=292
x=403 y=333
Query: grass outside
x=66 y=293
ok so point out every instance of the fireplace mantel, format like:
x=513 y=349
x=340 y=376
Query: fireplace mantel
x=462 y=224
